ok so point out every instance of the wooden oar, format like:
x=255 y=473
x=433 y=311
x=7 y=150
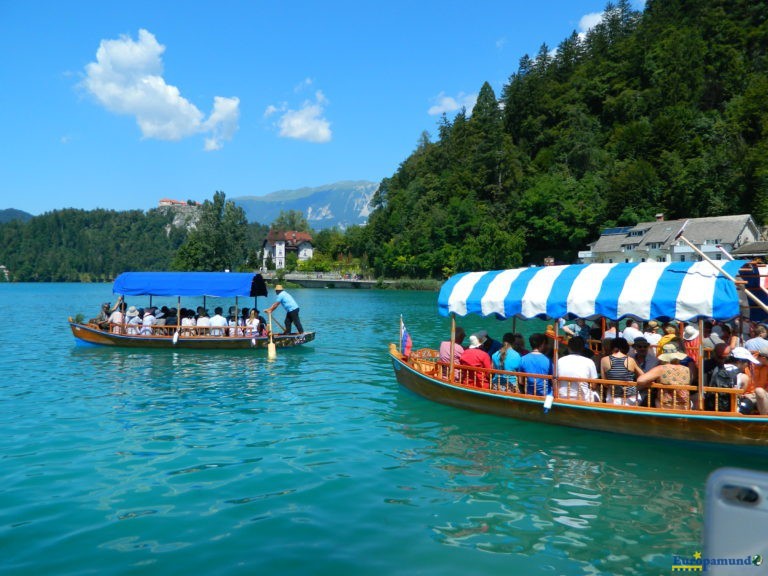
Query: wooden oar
x=271 y=348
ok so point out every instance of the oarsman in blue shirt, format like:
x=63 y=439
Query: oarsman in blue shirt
x=291 y=309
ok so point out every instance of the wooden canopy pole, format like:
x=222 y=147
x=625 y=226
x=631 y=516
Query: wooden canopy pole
x=453 y=345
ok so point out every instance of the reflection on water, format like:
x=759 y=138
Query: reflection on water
x=599 y=500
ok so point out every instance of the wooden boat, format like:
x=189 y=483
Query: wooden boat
x=178 y=285
x=685 y=291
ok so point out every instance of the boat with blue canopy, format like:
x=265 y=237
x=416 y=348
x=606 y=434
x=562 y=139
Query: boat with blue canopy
x=687 y=292
x=183 y=285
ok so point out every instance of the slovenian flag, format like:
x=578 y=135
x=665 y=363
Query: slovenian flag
x=405 y=340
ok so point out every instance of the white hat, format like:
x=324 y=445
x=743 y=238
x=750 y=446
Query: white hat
x=474 y=342
x=132 y=312
x=690 y=333
x=741 y=353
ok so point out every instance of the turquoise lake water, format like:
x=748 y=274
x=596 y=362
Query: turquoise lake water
x=195 y=462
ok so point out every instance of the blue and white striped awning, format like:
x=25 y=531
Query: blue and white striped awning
x=683 y=291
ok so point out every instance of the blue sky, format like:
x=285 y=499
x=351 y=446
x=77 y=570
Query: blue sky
x=116 y=105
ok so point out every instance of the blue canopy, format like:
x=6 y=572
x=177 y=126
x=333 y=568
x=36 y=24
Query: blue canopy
x=683 y=291
x=220 y=284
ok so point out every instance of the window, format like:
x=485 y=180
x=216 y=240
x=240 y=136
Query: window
x=682 y=257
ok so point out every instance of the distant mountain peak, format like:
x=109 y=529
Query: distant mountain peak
x=341 y=204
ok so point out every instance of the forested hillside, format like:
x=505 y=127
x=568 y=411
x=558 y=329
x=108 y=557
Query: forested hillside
x=664 y=111
x=88 y=246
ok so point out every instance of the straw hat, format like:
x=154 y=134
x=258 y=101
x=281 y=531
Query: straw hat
x=670 y=352
x=132 y=312
x=279 y=288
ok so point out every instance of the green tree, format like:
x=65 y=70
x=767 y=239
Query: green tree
x=291 y=220
x=218 y=241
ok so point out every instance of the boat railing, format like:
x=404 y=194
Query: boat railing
x=184 y=331
x=615 y=392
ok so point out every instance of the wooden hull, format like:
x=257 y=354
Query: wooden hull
x=695 y=426
x=91 y=336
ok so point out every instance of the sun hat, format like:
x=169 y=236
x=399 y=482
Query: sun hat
x=279 y=288
x=474 y=342
x=741 y=353
x=132 y=312
x=652 y=324
x=690 y=333
x=670 y=352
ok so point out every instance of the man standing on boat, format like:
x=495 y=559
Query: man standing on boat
x=291 y=309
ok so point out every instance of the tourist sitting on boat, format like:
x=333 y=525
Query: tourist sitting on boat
x=759 y=383
x=444 y=353
x=102 y=318
x=148 y=321
x=475 y=357
x=652 y=335
x=253 y=324
x=576 y=365
x=506 y=358
x=488 y=344
x=117 y=317
x=730 y=339
x=218 y=322
x=670 y=332
x=619 y=366
x=203 y=322
x=641 y=352
x=760 y=339
x=631 y=331
x=132 y=320
x=519 y=344
x=744 y=361
x=692 y=343
x=710 y=338
x=188 y=322
x=578 y=327
x=172 y=319
x=669 y=372
x=536 y=362
x=610 y=330
x=291 y=309
x=719 y=372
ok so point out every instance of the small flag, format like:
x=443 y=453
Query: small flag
x=405 y=340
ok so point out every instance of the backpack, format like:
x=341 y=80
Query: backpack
x=721 y=377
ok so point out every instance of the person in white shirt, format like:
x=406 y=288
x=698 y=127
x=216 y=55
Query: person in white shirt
x=631 y=331
x=652 y=333
x=217 y=322
x=148 y=320
x=575 y=365
x=203 y=321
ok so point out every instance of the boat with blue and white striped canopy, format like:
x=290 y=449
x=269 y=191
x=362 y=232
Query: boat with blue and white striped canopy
x=684 y=291
x=689 y=292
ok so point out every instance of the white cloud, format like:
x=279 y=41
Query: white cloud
x=306 y=123
x=501 y=42
x=127 y=78
x=445 y=104
x=589 y=21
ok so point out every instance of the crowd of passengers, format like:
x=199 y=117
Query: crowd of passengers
x=124 y=319
x=640 y=355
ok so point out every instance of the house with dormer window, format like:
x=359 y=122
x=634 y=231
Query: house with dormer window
x=278 y=244
x=655 y=241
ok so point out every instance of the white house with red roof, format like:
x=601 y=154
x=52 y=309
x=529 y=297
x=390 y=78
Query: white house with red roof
x=278 y=244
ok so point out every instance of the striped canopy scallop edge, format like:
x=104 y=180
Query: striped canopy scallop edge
x=683 y=291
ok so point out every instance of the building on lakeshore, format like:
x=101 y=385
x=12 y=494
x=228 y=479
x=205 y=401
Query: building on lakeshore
x=655 y=241
x=278 y=244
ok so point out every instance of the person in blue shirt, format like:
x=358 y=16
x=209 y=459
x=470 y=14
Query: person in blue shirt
x=536 y=362
x=291 y=309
